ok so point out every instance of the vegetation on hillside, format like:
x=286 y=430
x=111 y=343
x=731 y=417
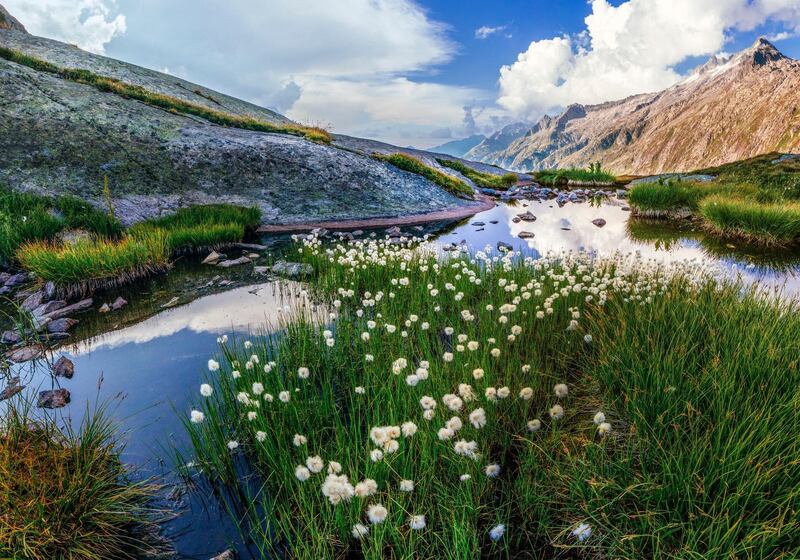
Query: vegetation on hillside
x=67 y=495
x=485 y=180
x=756 y=199
x=593 y=174
x=413 y=165
x=467 y=408
x=163 y=101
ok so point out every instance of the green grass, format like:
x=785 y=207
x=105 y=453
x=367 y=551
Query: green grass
x=754 y=200
x=486 y=180
x=97 y=259
x=29 y=217
x=144 y=249
x=771 y=224
x=413 y=165
x=594 y=174
x=162 y=101
x=698 y=380
x=67 y=495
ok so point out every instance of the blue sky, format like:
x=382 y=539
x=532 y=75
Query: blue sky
x=414 y=72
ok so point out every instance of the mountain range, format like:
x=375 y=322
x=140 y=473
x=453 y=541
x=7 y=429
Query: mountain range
x=730 y=108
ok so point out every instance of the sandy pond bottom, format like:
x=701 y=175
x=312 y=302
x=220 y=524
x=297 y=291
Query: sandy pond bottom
x=148 y=371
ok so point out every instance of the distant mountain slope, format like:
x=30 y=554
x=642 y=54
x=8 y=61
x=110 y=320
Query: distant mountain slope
x=727 y=110
x=458 y=148
x=60 y=136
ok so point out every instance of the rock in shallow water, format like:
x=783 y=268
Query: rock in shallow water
x=24 y=354
x=11 y=389
x=64 y=368
x=69 y=309
x=526 y=235
x=10 y=337
x=119 y=303
x=61 y=325
x=599 y=222
x=57 y=398
x=212 y=258
x=234 y=262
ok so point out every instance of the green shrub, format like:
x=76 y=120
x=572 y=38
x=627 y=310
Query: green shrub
x=773 y=224
x=485 y=180
x=413 y=165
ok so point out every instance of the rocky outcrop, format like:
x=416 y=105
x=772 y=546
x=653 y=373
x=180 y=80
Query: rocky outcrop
x=7 y=21
x=58 y=137
x=727 y=110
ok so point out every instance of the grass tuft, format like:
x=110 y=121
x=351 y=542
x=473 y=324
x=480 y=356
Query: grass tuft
x=594 y=174
x=413 y=165
x=485 y=180
x=771 y=224
x=67 y=495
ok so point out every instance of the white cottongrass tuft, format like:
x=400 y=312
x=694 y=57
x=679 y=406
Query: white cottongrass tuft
x=366 y=487
x=337 y=488
x=315 y=463
x=582 y=532
x=599 y=418
x=302 y=473
x=556 y=412
x=299 y=440
x=213 y=365
x=416 y=522
x=478 y=418
x=206 y=390
x=561 y=390
x=406 y=485
x=359 y=531
x=303 y=373
x=492 y=471
x=534 y=425
x=233 y=444
x=497 y=532
x=376 y=513
x=197 y=417
x=604 y=428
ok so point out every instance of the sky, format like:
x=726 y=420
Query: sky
x=417 y=72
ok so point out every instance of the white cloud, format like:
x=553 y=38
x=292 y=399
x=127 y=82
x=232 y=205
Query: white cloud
x=781 y=36
x=86 y=23
x=627 y=49
x=485 y=31
x=360 y=66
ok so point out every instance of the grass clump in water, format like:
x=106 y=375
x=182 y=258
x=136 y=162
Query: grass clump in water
x=769 y=223
x=162 y=101
x=591 y=175
x=67 y=495
x=486 y=180
x=523 y=407
x=413 y=165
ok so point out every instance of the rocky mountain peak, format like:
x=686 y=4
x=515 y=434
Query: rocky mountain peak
x=762 y=52
x=7 y=21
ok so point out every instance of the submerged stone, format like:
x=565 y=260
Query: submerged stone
x=64 y=368
x=61 y=325
x=70 y=309
x=234 y=262
x=599 y=222
x=119 y=303
x=57 y=398
x=24 y=354
x=10 y=337
x=292 y=269
x=11 y=389
x=526 y=235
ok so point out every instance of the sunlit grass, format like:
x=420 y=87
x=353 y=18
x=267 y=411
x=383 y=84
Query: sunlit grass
x=66 y=495
x=695 y=457
x=413 y=165
x=593 y=174
x=773 y=224
x=486 y=180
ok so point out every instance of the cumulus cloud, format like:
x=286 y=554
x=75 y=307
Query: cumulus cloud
x=627 y=49
x=485 y=31
x=90 y=24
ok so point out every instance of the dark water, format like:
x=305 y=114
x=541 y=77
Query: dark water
x=147 y=362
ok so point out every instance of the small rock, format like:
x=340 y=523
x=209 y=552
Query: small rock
x=526 y=235
x=11 y=389
x=504 y=247
x=33 y=301
x=10 y=337
x=105 y=308
x=171 y=303
x=478 y=224
x=526 y=217
x=227 y=555
x=493 y=222
x=24 y=354
x=61 y=325
x=70 y=309
x=212 y=258
x=49 y=291
x=57 y=398
x=119 y=303
x=516 y=220
x=234 y=262
x=393 y=231
x=260 y=269
x=292 y=269
x=16 y=279
x=49 y=307
x=253 y=256
x=626 y=208
x=599 y=222
x=50 y=337
x=64 y=368
x=4 y=276
x=358 y=232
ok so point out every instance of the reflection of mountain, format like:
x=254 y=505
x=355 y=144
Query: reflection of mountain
x=727 y=110
x=236 y=310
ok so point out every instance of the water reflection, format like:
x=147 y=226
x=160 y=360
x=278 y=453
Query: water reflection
x=570 y=228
